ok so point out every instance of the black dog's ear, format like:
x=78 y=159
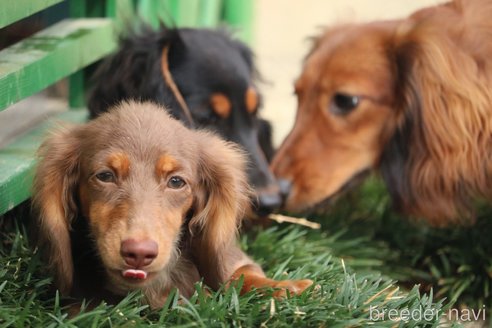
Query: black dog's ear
x=53 y=202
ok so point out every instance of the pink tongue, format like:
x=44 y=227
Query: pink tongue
x=135 y=274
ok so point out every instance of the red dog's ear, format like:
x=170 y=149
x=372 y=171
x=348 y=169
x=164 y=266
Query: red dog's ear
x=445 y=106
x=221 y=200
x=54 y=204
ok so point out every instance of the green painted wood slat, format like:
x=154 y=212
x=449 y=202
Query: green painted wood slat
x=209 y=13
x=239 y=14
x=56 y=52
x=185 y=12
x=88 y=8
x=181 y=13
x=17 y=160
x=14 y=10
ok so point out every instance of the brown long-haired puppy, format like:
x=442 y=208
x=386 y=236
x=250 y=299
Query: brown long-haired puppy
x=411 y=98
x=134 y=200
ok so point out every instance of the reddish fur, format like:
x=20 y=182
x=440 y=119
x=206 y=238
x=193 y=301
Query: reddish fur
x=253 y=278
x=425 y=119
x=195 y=227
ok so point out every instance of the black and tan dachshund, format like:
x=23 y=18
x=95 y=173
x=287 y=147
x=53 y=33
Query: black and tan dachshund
x=206 y=79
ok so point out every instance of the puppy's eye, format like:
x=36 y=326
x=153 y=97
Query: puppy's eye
x=343 y=103
x=106 y=176
x=176 y=182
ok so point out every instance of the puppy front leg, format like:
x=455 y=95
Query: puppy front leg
x=255 y=278
x=233 y=263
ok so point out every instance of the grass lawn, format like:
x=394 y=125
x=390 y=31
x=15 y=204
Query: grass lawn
x=355 y=260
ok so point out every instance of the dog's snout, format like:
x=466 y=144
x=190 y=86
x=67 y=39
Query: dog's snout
x=267 y=201
x=138 y=254
x=285 y=187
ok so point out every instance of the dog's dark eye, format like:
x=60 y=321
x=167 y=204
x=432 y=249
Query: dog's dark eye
x=343 y=103
x=106 y=176
x=176 y=182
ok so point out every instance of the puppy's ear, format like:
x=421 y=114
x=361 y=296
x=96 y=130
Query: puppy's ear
x=444 y=110
x=54 y=205
x=222 y=197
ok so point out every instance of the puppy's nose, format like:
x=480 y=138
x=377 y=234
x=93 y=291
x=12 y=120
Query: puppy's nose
x=285 y=187
x=268 y=202
x=138 y=254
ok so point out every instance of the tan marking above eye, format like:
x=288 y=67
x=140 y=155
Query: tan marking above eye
x=166 y=164
x=120 y=163
x=221 y=105
x=251 y=100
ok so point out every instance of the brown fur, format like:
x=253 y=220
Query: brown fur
x=424 y=118
x=194 y=225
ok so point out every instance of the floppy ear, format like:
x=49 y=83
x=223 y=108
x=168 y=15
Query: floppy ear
x=54 y=204
x=223 y=194
x=393 y=167
x=441 y=145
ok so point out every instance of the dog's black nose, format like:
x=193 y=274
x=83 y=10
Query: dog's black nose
x=285 y=187
x=268 y=202
x=138 y=254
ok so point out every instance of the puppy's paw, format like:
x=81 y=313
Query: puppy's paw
x=255 y=278
x=295 y=287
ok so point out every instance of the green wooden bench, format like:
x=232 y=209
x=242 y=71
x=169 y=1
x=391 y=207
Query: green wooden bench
x=65 y=49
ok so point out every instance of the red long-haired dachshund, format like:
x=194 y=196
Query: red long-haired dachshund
x=134 y=200
x=411 y=98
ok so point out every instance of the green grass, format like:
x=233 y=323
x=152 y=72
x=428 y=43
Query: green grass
x=343 y=296
x=364 y=257
x=455 y=261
